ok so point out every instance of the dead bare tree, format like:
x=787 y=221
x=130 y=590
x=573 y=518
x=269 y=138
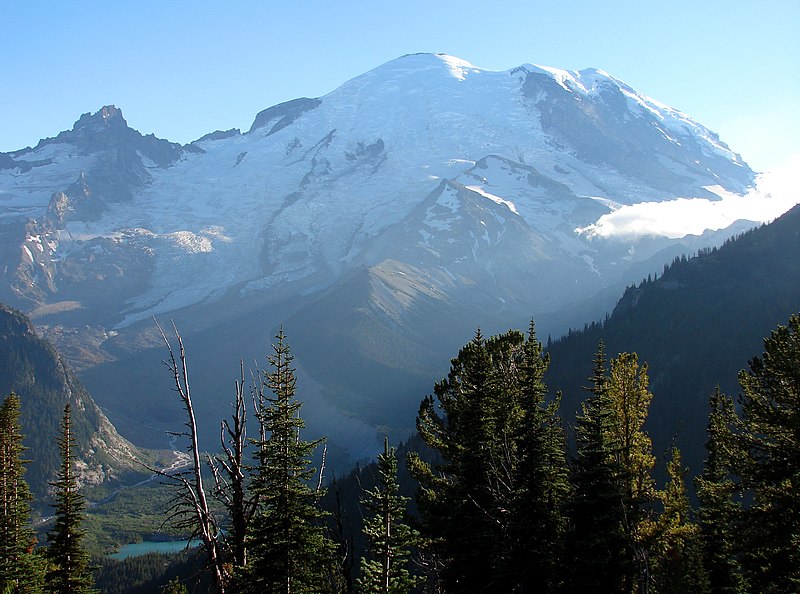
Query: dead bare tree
x=189 y=508
x=230 y=477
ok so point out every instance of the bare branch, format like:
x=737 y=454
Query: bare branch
x=322 y=467
x=190 y=501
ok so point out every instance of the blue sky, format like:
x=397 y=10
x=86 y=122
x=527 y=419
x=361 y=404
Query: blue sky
x=181 y=69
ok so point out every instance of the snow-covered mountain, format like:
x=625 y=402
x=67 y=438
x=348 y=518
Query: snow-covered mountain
x=382 y=222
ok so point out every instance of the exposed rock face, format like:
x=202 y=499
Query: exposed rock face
x=281 y=115
x=78 y=202
x=107 y=131
x=607 y=127
x=219 y=135
x=114 y=163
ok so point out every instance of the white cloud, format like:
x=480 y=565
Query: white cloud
x=774 y=193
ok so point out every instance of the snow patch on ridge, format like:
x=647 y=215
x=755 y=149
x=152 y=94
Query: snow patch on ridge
x=190 y=242
x=458 y=68
x=610 y=204
x=496 y=199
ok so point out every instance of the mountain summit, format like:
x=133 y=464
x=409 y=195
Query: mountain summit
x=382 y=221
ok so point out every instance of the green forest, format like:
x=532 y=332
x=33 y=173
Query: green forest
x=508 y=497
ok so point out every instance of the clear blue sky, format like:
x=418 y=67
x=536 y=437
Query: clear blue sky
x=180 y=69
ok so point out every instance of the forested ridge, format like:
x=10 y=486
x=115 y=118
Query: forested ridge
x=697 y=325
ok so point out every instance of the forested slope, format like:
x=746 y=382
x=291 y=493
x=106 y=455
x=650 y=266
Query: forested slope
x=31 y=368
x=696 y=326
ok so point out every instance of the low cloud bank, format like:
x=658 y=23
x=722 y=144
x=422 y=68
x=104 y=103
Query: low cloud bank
x=774 y=193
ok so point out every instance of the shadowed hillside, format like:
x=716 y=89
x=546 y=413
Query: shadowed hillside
x=696 y=326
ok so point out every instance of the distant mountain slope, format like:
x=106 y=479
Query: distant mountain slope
x=102 y=220
x=32 y=369
x=696 y=326
x=381 y=222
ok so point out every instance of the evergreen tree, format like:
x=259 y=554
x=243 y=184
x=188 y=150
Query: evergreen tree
x=718 y=511
x=539 y=504
x=598 y=544
x=19 y=568
x=457 y=501
x=288 y=549
x=677 y=565
x=466 y=500
x=630 y=400
x=70 y=572
x=389 y=537
x=493 y=506
x=769 y=461
x=174 y=586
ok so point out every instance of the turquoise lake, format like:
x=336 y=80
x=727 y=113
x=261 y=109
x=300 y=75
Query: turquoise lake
x=149 y=546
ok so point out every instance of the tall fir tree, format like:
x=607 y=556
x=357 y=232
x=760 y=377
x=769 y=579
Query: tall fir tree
x=20 y=570
x=288 y=549
x=465 y=500
x=493 y=506
x=455 y=501
x=70 y=572
x=719 y=511
x=769 y=462
x=390 y=539
x=539 y=523
x=598 y=545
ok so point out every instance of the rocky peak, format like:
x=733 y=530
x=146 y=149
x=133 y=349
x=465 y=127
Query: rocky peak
x=76 y=202
x=13 y=323
x=108 y=116
x=101 y=130
x=107 y=131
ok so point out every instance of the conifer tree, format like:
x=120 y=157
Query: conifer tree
x=676 y=558
x=70 y=572
x=494 y=506
x=539 y=520
x=630 y=400
x=19 y=568
x=769 y=461
x=451 y=493
x=466 y=500
x=389 y=537
x=174 y=586
x=598 y=544
x=288 y=549
x=719 y=511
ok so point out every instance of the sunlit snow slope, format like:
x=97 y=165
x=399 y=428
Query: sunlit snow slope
x=299 y=201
